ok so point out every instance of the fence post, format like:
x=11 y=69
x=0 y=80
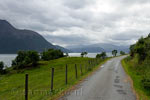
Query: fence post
x=76 y=73
x=85 y=68
x=66 y=74
x=26 y=87
x=52 y=79
x=89 y=65
x=81 y=69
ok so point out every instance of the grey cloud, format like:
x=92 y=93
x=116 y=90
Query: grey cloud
x=67 y=40
x=121 y=25
x=77 y=4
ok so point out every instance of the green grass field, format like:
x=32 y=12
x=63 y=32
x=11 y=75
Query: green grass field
x=12 y=85
x=136 y=77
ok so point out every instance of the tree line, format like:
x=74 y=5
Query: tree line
x=26 y=59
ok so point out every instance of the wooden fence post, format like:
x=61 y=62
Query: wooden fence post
x=66 y=74
x=89 y=65
x=85 y=68
x=26 y=87
x=76 y=73
x=81 y=69
x=52 y=79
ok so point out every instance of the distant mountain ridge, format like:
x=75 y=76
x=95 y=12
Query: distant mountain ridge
x=99 y=47
x=13 y=40
x=89 y=49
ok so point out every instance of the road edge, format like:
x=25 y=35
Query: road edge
x=75 y=86
x=130 y=80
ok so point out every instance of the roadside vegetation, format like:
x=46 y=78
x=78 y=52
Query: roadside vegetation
x=101 y=55
x=122 y=53
x=38 y=67
x=137 y=65
x=83 y=54
x=114 y=53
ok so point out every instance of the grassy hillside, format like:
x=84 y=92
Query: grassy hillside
x=12 y=85
x=137 y=65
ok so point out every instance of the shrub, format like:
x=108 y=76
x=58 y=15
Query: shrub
x=122 y=53
x=102 y=55
x=51 y=54
x=1 y=67
x=83 y=54
x=146 y=82
x=114 y=52
x=25 y=59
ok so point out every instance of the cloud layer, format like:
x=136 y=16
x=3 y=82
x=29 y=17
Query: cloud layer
x=74 y=22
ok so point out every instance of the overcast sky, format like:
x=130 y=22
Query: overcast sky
x=74 y=22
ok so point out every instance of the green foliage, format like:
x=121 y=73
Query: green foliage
x=1 y=67
x=83 y=54
x=139 y=62
x=122 y=53
x=25 y=59
x=102 y=55
x=66 y=55
x=132 y=50
x=51 y=54
x=136 y=73
x=114 y=52
x=141 y=48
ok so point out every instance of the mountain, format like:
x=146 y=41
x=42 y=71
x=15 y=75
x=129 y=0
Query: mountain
x=99 y=47
x=62 y=49
x=109 y=47
x=87 y=48
x=13 y=40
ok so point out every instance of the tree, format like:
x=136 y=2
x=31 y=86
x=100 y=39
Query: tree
x=83 y=54
x=114 y=52
x=1 y=67
x=51 y=54
x=122 y=53
x=132 y=51
x=25 y=59
x=149 y=35
x=102 y=55
x=66 y=55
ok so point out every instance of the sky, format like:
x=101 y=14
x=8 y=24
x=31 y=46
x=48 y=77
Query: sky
x=76 y=22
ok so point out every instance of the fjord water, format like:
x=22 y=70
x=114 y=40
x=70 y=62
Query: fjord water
x=7 y=58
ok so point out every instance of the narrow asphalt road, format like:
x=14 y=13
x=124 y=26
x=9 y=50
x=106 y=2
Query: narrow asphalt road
x=110 y=82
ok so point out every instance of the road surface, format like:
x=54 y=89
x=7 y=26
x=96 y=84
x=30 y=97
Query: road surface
x=110 y=82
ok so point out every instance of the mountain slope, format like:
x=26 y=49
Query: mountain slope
x=99 y=47
x=13 y=40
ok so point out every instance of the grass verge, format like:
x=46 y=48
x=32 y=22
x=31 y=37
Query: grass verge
x=136 y=78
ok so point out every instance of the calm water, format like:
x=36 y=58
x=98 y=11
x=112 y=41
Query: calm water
x=7 y=58
x=91 y=55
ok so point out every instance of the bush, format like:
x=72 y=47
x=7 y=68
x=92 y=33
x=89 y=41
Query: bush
x=83 y=54
x=122 y=53
x=114 y=52
x=25 y=59
x=102 y=55
x=1 y=67
x=146 y=82
x=51 y=54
